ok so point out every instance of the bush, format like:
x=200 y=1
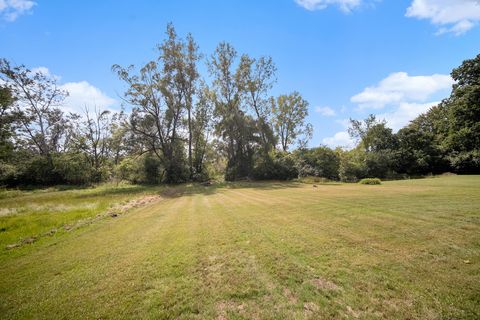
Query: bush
x=278 y=166
x=318 y=162
x=144 y=169
x=370 y=181
x=352 y=165
x=8 y=174
x=72 y=168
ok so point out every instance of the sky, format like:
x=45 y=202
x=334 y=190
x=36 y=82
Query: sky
x=348 y=58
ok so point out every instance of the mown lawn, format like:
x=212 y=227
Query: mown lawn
x=401 y=250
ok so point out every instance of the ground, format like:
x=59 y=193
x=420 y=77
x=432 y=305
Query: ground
x=401 y=250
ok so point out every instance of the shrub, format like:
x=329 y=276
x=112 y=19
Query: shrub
x=144 y=169
x=318 y=162
x=352 y=166
x=72 y=168
x=370 y=181
x=278 y=166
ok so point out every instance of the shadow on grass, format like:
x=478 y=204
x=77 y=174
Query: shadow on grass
x=197 y=188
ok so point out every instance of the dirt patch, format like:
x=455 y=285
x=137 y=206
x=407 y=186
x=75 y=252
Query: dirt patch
x=135 y=203
x=7 y=211
x=309 y=308
x=352 y=312
x=25 y=241
x=323 y=284
x=223 y=307
x=291 y=297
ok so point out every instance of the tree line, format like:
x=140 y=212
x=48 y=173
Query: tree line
x=184 y=126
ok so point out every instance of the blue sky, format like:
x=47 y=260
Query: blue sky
x=348 y=58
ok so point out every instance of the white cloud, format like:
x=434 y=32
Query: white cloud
x=455 y=16
x=82 y=94
x=10 y=10
x=345 y=5
x=405 y=113
x=340 y=139
x=325 y=111
x=400 y=87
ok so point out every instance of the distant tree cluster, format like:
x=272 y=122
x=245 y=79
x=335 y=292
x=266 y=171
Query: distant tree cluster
x=181 y=127
x=444 y=139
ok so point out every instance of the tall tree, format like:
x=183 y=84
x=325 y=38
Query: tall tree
x=7 y=130
x=289 y=115
x=161 y=94
x=201 y=130
x=234 y=127
x=257 y=77
x=463 y=141
x=37 y=97
x=180 y=76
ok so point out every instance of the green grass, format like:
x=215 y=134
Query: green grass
x=401 y=250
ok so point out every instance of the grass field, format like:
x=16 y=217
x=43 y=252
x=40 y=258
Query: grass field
x=401 y=250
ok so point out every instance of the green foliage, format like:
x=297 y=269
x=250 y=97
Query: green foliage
x=318 y=162
x=278 y=166
x=72 y=168
x=289 y=114
x=8 y=174
x=352 y=165
x=146 y=169
x=370 y=181
x=463 y=140
x=189 y=130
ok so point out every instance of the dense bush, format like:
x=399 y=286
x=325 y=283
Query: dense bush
x=8 y=174
x=145 y=169
x=72 y=168
x=278 y=166
x=318 y=162
x=352 y=165
x=371 y=181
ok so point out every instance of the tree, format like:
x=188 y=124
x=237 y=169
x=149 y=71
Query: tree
x=37 y=96
x=257 y=78
x=201 y=132
x=289 y=114
x=180 y=78
x=463 y=141
x=92 y=136
x=233 y=126
x=6 y=123
x=378 y=143
x=160 y=94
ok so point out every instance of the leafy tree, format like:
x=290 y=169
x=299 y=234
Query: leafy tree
x=352 y=165
x=257 y=78
x=202 y=132
x=37 y=97
x=289 y=114
x=91 y=137
x=160 y=94
x=7 y=131
x=180 y=76
x=463 y=141
x=235 y=128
